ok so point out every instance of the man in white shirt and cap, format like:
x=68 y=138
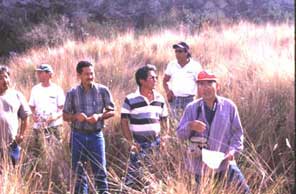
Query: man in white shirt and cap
x=46 y=102
x=179 y=81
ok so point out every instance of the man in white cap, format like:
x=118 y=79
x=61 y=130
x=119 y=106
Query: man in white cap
x=46 y=102
x=179 y=79
x=212 y=123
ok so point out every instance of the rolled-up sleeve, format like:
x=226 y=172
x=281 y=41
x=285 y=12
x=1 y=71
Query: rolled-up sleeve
x=108 y=99
x=68 y=103
x=183 y=132
x=125 y=109
x=24 y=109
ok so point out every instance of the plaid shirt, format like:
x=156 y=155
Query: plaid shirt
x=94 y=101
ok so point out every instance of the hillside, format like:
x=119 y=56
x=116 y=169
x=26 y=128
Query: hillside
x=20 y=18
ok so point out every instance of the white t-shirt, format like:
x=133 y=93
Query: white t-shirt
x=46 y=101
x=13 y=106
x=183 y=79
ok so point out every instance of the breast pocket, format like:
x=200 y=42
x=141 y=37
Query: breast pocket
x=225 y=127
x=53 y=100
x=190 y=74
x=99 y=103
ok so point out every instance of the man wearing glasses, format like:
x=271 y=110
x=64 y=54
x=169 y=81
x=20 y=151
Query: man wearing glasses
x=212 y=123
x=179 y=80
x=143 y=115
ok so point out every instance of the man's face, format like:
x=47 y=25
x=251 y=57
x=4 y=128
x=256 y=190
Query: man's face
x=87 y=76
x=43 y=76
x=4 y=82
x=207 y=90
x=150 y=82
x=180 y=53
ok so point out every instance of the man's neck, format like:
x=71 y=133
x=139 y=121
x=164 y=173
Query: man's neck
x=45 y=84
x=183 y=62
x=2 y=92
x=210 y=103
x=147 y=93
x=86 y=87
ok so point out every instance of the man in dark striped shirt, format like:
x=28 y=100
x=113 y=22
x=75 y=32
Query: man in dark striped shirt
x=143 y=114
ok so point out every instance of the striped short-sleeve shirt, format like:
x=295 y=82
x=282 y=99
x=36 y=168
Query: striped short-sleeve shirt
x=144 y=116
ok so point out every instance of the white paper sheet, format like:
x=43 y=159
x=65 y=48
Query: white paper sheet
x=211 y=158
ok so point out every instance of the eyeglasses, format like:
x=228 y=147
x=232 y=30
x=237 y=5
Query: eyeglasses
x=208 y=83
x=179 y=51
x=153 y=77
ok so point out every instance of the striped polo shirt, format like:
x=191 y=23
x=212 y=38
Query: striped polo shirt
x=144 y=116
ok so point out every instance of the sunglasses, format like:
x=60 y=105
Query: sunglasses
x=179 y=51
x=153 y=77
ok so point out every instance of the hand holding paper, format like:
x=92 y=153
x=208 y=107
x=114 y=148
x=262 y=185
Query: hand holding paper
x=212 y=159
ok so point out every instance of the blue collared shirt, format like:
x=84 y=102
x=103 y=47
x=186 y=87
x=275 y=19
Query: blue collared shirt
x=90 y=102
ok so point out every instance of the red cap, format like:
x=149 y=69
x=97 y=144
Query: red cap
x=206 y=76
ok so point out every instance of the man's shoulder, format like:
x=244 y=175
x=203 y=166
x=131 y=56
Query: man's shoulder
x=100 y=87
x=194 y=63
x=36 y=87
x=132 y=95
x=55 y=85
x=225 y=101
x=14 y=94
x=74 y=88
x=172 y=63
x=73 y=91
x=195 y=103
x=13 y=91
x=158 y=96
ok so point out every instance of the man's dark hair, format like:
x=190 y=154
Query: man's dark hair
x=184 y=46
x=142 y=73
x=4 y=69
x=82 y=64
x=188 y=54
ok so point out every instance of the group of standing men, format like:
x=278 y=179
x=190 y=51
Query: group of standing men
x=211 y=121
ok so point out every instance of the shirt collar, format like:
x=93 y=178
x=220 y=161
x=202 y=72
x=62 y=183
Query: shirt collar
x=91 y=86
x=155 y=93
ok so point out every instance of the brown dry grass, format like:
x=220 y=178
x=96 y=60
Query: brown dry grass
x=255 y=65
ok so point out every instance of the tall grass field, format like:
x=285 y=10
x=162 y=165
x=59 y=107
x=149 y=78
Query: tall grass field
x=255 y=65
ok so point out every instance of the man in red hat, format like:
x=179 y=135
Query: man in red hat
x=212 y=123
x=179 y=80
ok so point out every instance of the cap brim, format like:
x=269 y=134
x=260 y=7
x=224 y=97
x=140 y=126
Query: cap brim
x=207 y=79
x=44 y=70
x=178 y=46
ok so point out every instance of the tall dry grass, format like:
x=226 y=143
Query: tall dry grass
x=255 y=66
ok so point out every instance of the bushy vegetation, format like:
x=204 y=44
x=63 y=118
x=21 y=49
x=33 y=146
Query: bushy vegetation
x=26 y=23
x=255 y=66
